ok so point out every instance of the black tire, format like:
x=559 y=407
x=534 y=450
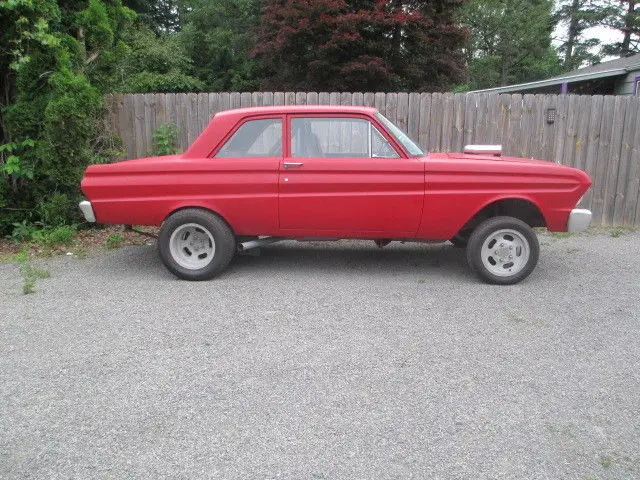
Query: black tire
x=490 y=227
x=224 y=243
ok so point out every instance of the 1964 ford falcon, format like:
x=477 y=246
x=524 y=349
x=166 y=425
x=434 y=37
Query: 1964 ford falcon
x=257 y=175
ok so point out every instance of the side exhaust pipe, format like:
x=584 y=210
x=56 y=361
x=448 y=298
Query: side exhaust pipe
x=260 y=242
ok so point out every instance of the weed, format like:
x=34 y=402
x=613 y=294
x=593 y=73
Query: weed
x=561 y=234
x=615 y=233
x=421 y=281
x=21 y=257
x=113 y=241
x=45 y=236
x=29 y=273
x=573 y=250
x=22 y=231
x=62 y=235
x=606 y=461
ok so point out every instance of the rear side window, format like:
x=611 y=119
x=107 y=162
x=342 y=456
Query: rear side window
x=255 y=138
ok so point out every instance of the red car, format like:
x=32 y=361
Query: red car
x=258 y=175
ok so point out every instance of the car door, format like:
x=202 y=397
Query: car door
x=243 y=183
x=344 y=176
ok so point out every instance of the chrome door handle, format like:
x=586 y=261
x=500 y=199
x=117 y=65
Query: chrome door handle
x=293 y=164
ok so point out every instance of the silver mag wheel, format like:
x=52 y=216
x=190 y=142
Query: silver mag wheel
x=195 y=244
x=503 y=250
x=192 y=246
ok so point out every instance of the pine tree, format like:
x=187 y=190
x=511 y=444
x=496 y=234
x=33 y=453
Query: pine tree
x=624 y=16
x=577 y=16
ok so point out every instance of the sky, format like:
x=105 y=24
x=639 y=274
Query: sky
x=604 y=34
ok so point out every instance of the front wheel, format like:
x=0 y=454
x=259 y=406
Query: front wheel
x=503 y=250
x=195 y=244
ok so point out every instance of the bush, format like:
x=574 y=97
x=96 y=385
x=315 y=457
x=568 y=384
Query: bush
x=46 y=236
x=165 y=140
x=58 y=209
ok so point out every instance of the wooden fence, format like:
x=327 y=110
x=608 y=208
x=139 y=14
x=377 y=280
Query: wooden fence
x=598 y=134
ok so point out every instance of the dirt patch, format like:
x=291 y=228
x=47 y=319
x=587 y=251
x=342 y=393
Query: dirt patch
x=85 y=241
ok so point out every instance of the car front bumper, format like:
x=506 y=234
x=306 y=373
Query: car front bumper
x=579 y=220
x=87 y=211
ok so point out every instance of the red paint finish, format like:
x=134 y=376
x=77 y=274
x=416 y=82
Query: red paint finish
x=431 y=197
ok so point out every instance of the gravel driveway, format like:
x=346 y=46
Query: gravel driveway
x=325 y=361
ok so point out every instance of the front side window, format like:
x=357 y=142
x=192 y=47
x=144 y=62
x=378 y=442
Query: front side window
x=338 y=138
x=411 y=146
x=255 y=138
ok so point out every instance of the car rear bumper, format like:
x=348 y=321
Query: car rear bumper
x=87 y=211
x=579 y=220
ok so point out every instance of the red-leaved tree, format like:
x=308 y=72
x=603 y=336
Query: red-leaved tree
x=360 y=45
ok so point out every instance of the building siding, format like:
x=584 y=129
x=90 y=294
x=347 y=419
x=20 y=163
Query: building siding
x=625 y=85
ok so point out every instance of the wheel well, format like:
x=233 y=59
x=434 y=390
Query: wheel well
x=518 y=208
x=200 y=208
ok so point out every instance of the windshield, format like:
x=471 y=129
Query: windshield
x=411 y=147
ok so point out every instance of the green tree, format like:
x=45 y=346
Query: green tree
x=154 y=63
x=510 y=41
x=50 y=113
x=624 y=16
x=576 y=16
x=218 y=37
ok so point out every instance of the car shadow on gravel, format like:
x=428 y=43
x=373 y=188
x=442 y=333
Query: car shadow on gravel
x=342 y=257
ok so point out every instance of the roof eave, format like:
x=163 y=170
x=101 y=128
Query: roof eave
x=556 y=81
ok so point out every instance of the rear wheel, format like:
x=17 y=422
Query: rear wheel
x=503 y=250
x=195 y=244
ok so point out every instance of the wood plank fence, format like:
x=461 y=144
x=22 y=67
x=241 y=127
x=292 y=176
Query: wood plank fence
x=598 y=134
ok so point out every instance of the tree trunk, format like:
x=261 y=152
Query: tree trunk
x=573 y=33
x=628 y=28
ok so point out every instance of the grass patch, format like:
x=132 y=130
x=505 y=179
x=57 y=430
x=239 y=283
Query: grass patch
x=616 y=232
x=113 y=241
x=63 y=235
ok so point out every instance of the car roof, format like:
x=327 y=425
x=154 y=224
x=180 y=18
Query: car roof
x=297 y=109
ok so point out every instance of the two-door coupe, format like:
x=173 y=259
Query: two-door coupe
x=262 y=174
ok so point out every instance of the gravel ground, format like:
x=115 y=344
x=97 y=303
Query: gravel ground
x=325 y=361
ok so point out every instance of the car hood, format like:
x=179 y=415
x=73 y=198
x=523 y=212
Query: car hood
x=491 y=158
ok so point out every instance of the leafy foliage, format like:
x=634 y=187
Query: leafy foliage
x=165 y=140
x=153 y=63
x=360 y=45
x=510 y=41
x=51 y=113
x=217 y=36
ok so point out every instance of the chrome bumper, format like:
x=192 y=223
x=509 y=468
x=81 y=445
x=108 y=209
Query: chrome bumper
x=87 y=211
x=579 y=220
